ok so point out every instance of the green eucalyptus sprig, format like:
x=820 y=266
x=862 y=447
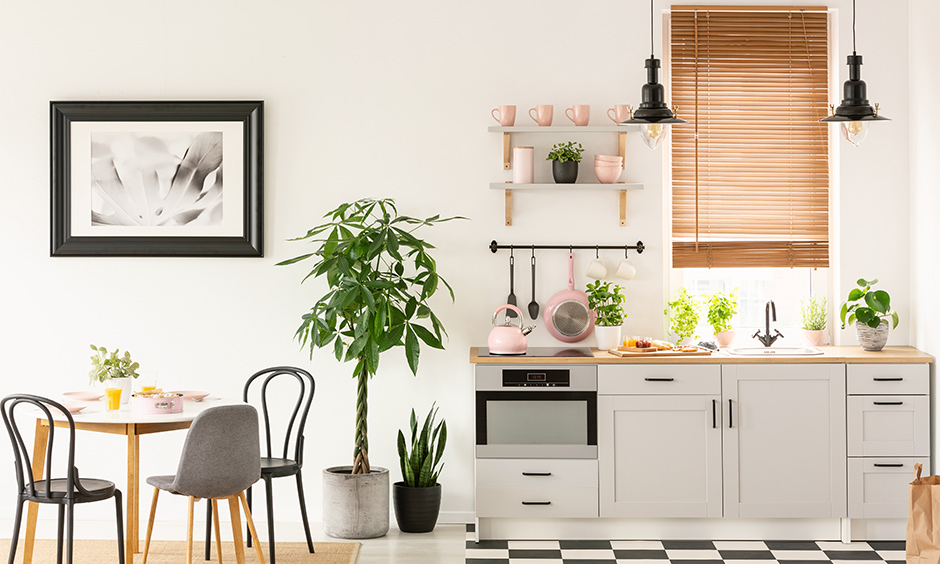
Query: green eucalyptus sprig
x=421 y=467
x=105 y=365
x=876 y=307
x=685 y=315
x=813 y=310
x=607 y=303
x=564 y=152
x=721 y=308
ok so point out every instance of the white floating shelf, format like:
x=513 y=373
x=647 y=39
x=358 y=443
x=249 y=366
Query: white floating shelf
x=572 y=186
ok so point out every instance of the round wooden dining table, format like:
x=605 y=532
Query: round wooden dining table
x=96 y=418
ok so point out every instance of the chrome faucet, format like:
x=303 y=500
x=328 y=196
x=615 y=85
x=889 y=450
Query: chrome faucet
x=767 y=338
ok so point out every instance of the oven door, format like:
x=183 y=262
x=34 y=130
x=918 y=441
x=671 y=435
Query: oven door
x=536 y=423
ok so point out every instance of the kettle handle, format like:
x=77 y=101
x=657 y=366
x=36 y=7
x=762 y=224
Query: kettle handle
x=507 y=306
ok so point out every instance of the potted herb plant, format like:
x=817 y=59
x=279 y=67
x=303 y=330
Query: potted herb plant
x=871 y=312
x=813 y=310
x=721 y=308
x=381 y=279
x=565 y=158
x=417 y=498
x=113 y=369
x=607 y=303
x=683 y=322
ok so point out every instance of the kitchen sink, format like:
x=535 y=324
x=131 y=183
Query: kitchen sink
x=774 y=351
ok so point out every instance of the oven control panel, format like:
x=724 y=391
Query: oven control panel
x=514 y=378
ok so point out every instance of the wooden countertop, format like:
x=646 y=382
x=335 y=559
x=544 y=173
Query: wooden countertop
x=831 y=355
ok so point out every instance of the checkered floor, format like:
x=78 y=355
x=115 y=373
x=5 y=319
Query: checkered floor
x=678 y=551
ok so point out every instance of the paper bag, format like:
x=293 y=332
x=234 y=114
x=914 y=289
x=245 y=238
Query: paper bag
x=923 y=520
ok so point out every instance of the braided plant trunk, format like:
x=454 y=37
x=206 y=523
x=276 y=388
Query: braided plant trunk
x=361 y=448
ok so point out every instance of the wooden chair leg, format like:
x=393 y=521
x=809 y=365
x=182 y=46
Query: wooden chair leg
x=237 y=530
x=214 y=504
x=189 y=531
x=251 y=527
x=153 y=513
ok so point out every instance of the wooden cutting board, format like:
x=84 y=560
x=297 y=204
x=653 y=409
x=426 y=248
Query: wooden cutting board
x=635 y=351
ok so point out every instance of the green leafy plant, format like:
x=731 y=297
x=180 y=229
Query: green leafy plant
x=564 y=152
x=380 y=279
x=813 y=310
x=875 y=306
x=684 y=320
x=105 y=365
x=721 y=308
x=421 y=467
x=607 y=303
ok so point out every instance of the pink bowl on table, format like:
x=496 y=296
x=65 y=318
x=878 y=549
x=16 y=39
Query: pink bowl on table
x=72 y=406
x=608 y=174
x=194 y=395
x=90 y=395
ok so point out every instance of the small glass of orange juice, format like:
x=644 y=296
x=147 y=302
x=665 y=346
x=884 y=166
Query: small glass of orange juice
x=148 y=383
x=113 y=397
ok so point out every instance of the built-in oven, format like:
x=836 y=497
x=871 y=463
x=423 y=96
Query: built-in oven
x=538 y=411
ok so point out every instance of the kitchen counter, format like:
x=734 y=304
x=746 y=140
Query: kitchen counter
x=831 y=355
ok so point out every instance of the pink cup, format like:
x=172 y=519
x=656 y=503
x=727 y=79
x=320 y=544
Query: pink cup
x=543 y=114
x=581 y=114
x=507 y=115
x=621 y=112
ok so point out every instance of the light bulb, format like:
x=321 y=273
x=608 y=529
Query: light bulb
x=854 y=131
x=654 y=134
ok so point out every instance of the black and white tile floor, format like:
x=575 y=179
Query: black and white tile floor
x=681 y=552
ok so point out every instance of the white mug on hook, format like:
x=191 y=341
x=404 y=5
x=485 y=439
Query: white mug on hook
x=626 y=270
x=596 y=270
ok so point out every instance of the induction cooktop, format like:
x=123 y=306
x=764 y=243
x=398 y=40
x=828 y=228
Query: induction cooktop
x=546 y=352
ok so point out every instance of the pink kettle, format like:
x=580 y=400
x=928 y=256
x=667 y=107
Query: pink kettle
x=507 y=338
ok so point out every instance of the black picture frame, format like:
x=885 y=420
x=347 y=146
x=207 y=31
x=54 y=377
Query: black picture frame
x=65 y=115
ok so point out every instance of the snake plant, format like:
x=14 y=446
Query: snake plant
x=423 y=465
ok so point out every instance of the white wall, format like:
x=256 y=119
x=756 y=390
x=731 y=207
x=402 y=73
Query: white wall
x=364 y=99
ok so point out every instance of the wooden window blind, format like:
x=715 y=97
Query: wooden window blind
x=750 y=172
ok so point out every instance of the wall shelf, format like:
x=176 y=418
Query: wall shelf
x=621 y=187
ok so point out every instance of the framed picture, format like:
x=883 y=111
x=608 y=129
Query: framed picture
x=157 y=179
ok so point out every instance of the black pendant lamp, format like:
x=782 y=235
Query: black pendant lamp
x=653 y=115
x=854 y=113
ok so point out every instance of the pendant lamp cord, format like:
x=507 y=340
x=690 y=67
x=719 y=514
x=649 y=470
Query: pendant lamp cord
x=652 y=51
x=853 y=27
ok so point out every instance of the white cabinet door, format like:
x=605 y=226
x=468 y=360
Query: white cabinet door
x=784 y=440
x=659 y=456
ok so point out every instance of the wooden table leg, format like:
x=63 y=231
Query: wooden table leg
x=133 y=469
x=32 y=510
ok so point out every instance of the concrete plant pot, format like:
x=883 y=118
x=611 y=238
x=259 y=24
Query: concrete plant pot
x=872 y=338
x=355 y=506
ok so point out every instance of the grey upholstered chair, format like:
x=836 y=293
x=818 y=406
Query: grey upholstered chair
x=221 y=458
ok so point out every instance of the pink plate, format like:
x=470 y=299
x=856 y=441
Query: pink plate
x=72 y=406
x=194 y=395
x=90 y=395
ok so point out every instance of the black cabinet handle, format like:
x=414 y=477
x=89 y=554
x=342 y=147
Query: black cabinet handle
x=714 y=414
x=536 y=473
x=898 y=465
x=889 y=403
x=888 y=379
x=659 y=379
x=730 y=420
x=536 y=503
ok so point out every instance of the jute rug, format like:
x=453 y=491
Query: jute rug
x=174 y=552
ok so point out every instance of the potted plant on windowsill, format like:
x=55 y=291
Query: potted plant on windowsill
x=721 y=308
x=607 y=303
x=381 y=279
x=813 y=310
x=113 y=369
x=565 y=158
x=872 y=314
x=683 y=322
x=417 y=498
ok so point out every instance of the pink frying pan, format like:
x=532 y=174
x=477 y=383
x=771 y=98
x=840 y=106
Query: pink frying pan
x=567 y=315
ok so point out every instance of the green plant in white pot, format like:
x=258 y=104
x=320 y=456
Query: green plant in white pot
x=113 y=370
x=381 y=278
x=418 y=496
x=871 y=309
x=721 y=308
x=813 y=311
x=607 y=303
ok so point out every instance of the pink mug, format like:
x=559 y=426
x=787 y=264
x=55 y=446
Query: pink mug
x=543 y=114
x=507 y=115
x=582 y=114
x=621 y=112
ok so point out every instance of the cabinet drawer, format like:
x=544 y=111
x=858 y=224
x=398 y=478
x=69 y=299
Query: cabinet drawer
x=536 y=473
x=878 y=487
x=659 y=379
x=888 y=426
x=880 y=379
x=536 y=502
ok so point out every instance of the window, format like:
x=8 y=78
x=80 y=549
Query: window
x=750 y=173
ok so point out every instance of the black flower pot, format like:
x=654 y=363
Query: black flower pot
x=565 y=172
x=416 y=509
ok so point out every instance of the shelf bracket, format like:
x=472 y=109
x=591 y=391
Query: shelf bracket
x=622 y=137
x=623 y=208
x=507 y=149
x=508 y=207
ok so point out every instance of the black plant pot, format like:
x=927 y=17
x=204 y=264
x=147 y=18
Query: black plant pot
x=565 y=172
x=416 y=509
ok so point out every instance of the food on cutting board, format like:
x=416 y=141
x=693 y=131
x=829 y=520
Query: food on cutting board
x=157 y=393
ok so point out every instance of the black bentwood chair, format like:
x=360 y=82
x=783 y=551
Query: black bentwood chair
x=274 y=467
x=64 y=492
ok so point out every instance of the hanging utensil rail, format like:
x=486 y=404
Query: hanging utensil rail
x=639 y=247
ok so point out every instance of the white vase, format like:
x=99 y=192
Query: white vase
x=814 y=338
x=124 y=384
x=872 y=338
x=607 y=337
x=724 y=338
